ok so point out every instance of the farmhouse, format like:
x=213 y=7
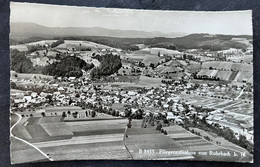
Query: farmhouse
x=71 y=79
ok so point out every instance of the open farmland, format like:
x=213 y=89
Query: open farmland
x=29 y=76
x=42 y=129
x=149 y=82
x=150 y=59
x=22 y=48
x=23 y=153
x=227 y=65
x=107 y=149
x=202 y=147
x=229 y=105
x=239 y=58
x=151 y=142
x=69 y=44
x=89 y=138
x=143 y=81
x=57 y=138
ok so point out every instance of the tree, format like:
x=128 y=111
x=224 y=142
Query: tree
x=113 y=113
x=43 y=114
x=128 y=112
x=13 y=85
x=64 y=114
x=75 y=114
x=49 y=97
x=20 y=63
x=93 y=113
x=110 y=64
x=57 y=43
x=67 y=67
x=159 y=126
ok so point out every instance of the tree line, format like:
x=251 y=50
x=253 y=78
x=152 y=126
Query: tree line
x=67 y=67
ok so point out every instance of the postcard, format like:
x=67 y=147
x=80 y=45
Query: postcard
x=93 y=83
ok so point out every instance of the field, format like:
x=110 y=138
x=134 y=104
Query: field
x=237 y=76
x=128 y=78
x=21 y=48
x=69 y=44
x=23 y=153
x=153 y=141
x=147 y=143
x=224 y=143
x=134 y=82
x=203 y=147
x=229 y=105
x=29 y=76
x=238 y=58
x=89 y=139
x=149 y=82
x=151 y=59
x=228 y=65
x=42 y=129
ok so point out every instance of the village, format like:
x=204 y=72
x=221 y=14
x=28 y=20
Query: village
x=155 y=88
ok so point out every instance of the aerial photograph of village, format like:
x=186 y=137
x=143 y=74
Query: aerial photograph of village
x=122 y=84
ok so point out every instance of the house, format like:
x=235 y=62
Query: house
x=34 y=94
x=61 y=89
x=55 y=85
x=71 y=79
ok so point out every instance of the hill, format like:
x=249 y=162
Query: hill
x=67 y=67
x=20 y=63
x=27 y=30
x=128 y=39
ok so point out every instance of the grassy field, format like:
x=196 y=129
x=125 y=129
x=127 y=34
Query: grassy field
x=245 y=58
x=228 y=65
x=23 y=153
x=89 y=151
x=30 y=76
x=148 y=59
x=100 y=139
x=57 y=129
x=14 y=119
x=203 y=147
x=21 y=48
x=128 y=78
x=137 y=81
x=87 y=128
x=233 y=106
x=69 y=44
x=150 y=142
x=224 y=143
x=149 y=82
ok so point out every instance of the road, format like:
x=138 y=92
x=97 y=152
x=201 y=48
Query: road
x=125 y=144
x=26 y=142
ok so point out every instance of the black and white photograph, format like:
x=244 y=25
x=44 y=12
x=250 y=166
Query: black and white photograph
x=90 y=83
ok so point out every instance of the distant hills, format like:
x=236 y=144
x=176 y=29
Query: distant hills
x=27 y=30
x=21 y=33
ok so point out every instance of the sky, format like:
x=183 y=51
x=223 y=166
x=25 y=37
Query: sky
x=228 y=22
